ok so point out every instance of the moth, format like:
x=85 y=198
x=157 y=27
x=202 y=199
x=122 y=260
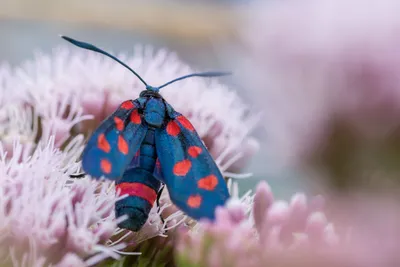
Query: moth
x=146 y=144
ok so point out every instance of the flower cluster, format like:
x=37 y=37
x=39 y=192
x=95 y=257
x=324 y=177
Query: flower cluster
x=47 y=106
x=45 y=216
x=244 y=231
x=71 y=84
x=259 y=231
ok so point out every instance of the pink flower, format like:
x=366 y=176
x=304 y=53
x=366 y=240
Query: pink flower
x=19 y=123
x=43 y=215
x=319 y=61
x=71 y=84
x=369 y=232
x=45 y=105
x=71 y=260
x=240 y=237
x=363 y=231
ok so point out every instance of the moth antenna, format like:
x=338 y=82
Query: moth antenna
x=96 y=49
x=203 y=74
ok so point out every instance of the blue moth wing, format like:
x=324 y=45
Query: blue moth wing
x=194 y=182
x=115 y=142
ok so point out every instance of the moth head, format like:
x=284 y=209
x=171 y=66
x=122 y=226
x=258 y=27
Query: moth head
x=152 y=89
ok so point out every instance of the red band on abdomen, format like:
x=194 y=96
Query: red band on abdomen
x=138 y=190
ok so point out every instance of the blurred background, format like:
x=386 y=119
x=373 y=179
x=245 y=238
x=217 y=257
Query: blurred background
x=200 y=32
x=322 y=73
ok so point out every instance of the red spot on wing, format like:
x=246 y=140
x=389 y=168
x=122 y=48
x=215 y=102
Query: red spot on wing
x=157 y=169
x=135 y=117
x=194 y=151
x=105 y=166
x=135 y=158
x=173 y=128
x=138 y=190
x=119 y=124
x=181 y=168
x=123 y=145
x=158 y=164
x=103 y=144
x=128 y=104
x=208 y=183
x=194 y=201
x=185 y=123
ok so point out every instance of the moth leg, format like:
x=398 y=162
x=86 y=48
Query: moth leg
x=79 y=175
x=158 y=202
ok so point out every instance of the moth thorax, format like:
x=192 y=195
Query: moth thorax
x=154 y=112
